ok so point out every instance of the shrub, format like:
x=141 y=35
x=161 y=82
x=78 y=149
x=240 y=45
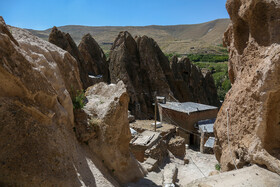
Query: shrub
x=218 y=167
x=79 y=100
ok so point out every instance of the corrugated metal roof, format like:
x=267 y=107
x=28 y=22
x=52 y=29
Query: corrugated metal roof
x=210 y=142
x=207 y=128
x=187 y=107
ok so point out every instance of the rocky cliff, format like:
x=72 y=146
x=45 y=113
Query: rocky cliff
x=90 y=57
x=146 y=71
x=39 y=135
x=252 y=104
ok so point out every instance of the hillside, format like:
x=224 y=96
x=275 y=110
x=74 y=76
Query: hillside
x=182 y=39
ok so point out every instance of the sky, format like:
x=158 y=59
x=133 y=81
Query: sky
x=43 y=14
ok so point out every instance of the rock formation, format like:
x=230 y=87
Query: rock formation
x=125 y=65
x=146 y=71
x=36 y=111
x=38 y=142
x=94 y=58
x=107 y=105
x=192 y=84
x=253 y=40
x=65 y=42
x=90 y=57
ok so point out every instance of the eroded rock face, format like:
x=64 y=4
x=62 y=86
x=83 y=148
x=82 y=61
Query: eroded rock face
x=39 y=144
x=146 y=71
x=94 y=58
x=36 y=111
x=90 y=57
x=125 y=65
x=253 y=102
x=192 y=84
x=65 y=42
x=107 y=105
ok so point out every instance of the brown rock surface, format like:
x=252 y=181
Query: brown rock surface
x=33 y=101
x=253 y=102
x=192 y=84
x=94 y=58
x=145 y=70
x=38 y=143
x=125 y=65
x=108 y=104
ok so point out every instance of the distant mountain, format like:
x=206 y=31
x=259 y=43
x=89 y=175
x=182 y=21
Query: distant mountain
x=181 y=39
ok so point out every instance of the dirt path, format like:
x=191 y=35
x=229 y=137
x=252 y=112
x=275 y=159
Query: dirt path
x=186 y=172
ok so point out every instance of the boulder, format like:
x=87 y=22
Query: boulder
x=107 y=106
x=252 y=104
x=94 y=59
x=177 y=146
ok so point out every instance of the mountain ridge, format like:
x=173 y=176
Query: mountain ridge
x=181 y=39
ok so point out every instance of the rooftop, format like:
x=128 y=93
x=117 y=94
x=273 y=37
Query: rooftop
x=187 y=107
x=146 y=139
x=208 y=128
x=210 y=142
x=207 y=125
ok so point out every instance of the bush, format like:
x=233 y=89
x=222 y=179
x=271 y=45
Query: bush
x=207 y=58
x=218 y=167
x=79 y=100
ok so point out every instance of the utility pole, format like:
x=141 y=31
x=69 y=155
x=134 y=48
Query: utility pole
x=201 y=141
x=155 y=111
